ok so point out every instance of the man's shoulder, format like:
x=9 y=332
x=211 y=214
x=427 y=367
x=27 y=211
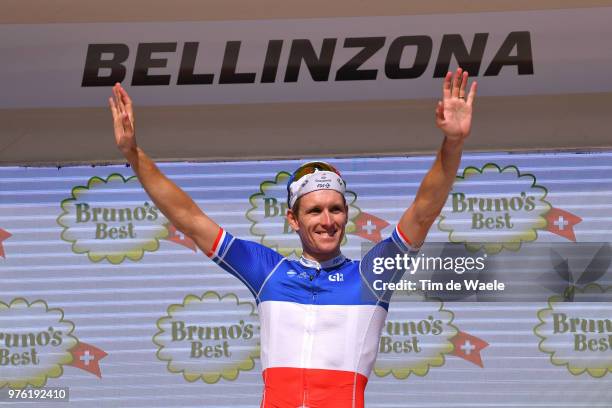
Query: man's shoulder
x=231 y=246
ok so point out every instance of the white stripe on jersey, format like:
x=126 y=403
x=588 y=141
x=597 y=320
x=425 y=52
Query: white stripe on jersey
x=333 y=337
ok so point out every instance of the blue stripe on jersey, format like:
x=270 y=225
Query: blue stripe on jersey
x=397 y=238
x=223 y=245
x=270 y=277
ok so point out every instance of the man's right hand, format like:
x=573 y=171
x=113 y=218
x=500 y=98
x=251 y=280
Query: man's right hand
x=123 y=121
x=173 y=202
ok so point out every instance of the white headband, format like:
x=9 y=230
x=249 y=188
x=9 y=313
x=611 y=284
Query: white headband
x=319 y=180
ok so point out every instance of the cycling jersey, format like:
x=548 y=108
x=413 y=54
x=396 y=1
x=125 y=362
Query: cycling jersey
x=320 y=322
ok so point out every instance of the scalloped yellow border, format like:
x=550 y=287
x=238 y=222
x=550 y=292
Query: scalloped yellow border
x=496 y=247
x=134 y=255
x=593 y=372
x=423 y=369
x=230 y=374
x=57 y=370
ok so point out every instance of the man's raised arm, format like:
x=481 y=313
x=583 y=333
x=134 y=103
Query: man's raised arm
x=454 y=118
x=173 y=202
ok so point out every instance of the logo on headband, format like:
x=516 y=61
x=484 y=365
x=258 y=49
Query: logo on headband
x=319 y=180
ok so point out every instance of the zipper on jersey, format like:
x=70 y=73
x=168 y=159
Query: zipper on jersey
x=312 y=289
x=307 y=348
x=309 y=343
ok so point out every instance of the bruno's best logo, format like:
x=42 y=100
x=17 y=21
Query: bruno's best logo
x=494 y=208
x=577 y=334
x=111 y=219
x=419 y=333
x=36 y=342
x=209 y=337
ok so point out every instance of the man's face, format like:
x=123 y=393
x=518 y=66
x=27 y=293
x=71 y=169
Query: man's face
x=320 y=223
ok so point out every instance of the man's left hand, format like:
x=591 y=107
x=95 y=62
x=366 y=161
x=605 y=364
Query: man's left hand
x=454 y=111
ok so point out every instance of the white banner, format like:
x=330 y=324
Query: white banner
x=325 y=59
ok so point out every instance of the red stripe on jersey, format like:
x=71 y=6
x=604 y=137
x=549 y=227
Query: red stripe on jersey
x=214 y=247
x=288 y=387
x=404 y=237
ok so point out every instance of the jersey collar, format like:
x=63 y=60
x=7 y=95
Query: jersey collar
x=330 y=263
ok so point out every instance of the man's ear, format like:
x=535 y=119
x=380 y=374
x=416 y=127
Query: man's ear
x=346 y=210
x=292 y=220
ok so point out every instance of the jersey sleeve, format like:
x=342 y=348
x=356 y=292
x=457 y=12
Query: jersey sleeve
x=248 y=261
x=387 y=262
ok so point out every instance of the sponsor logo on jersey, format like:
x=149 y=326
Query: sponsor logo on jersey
x=336 y=277
x=304 y=275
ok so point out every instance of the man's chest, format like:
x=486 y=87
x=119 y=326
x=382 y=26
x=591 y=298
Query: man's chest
x=336 y=286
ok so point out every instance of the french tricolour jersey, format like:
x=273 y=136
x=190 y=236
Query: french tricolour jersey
x=320 y=322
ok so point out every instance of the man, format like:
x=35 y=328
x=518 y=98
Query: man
x=320 y=316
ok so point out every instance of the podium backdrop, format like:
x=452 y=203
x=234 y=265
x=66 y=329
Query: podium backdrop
x=100 y=294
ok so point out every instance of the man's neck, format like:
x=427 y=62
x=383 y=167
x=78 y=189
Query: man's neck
x=320 y=258
x=327 y=261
